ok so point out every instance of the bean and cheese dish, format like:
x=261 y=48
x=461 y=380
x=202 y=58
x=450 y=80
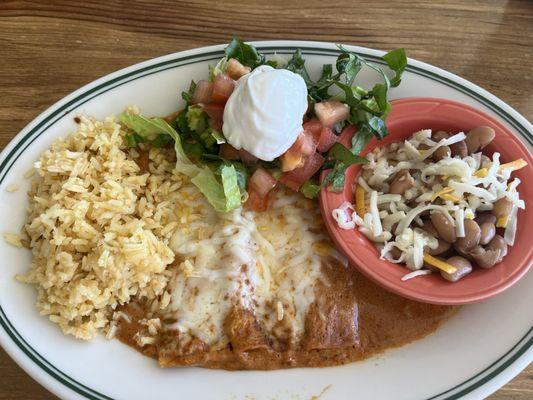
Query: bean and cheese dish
x=435 y=202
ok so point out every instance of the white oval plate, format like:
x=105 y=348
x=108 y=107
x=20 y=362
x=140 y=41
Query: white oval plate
x=471 y=356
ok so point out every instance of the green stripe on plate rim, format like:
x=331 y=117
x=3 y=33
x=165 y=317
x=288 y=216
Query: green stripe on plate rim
x=453 y=393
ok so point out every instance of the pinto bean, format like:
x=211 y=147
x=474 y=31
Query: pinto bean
x=459 y=149
x=485 y=258
x=401 y=182
x=439 y=135
x=429 y=228
x=488 y=230
x=443 y=226
x=485 y=217
x=395 y=253
x=478 y=138
x=498 y=243
x=462 y=265
x=502 y=208
x=471 y=238
x=442 y=152
x=443 y=247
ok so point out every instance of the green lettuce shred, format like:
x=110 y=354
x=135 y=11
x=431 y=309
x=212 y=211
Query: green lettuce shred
x=223 y=195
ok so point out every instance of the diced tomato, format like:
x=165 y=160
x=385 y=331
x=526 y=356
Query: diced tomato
x=332 y=111
x=228 y=152
x=314 y=126
x=235 y=69
x=247 y=158
x=348 y=130
x=222 y=88
x=305 y=144
x=261 y=182
x=202 y=93
x=296 y=178
x=255 y=202
x=327 y=139
x=215 y=112
x=291 y=160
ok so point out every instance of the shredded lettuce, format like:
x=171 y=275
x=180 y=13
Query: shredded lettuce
x=219 y=137
x=196 y=119
x=224 y=196
x=187 y=96
x=230 y=185
x=147 y=128
x=310 y=189
x=219 y=68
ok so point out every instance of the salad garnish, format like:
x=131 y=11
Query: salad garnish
x=229 y=177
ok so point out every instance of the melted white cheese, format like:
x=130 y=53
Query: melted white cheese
x=261 y=261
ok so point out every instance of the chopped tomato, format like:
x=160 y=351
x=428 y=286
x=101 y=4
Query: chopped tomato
x=235 y=69
x=296 y=178
x=228 y=152
x=314 y=126
x=327 y=139
x=261 y=182
x=222 y=88
x=332 y=111
x=291 y=160
x=247 y=158
x=255 y=202
x=215 y=112
x=202 y=93
x=305 y=144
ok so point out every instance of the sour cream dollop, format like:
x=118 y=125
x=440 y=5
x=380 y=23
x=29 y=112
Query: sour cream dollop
x=264 y=113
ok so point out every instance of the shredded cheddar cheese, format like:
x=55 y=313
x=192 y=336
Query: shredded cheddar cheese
x=441 y=192
x=513 y=165
x=450 y=269
x=481 y=173
x=502 y=221
x=360 y=206
x=445 y=194
x=451 y=197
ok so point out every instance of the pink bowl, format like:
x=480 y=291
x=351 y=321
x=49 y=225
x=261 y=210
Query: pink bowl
x=408 y=116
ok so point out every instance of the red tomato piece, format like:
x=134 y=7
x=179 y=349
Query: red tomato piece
x=314 y=126
x=203 y=92
x=261 y=182
x=296 y=178
x=222 y=88
x=215 y=112
x=291 y=160
x=235 y=69
x=327 y=139
x=305 y=144
x=332 y=111
x=256 y=202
